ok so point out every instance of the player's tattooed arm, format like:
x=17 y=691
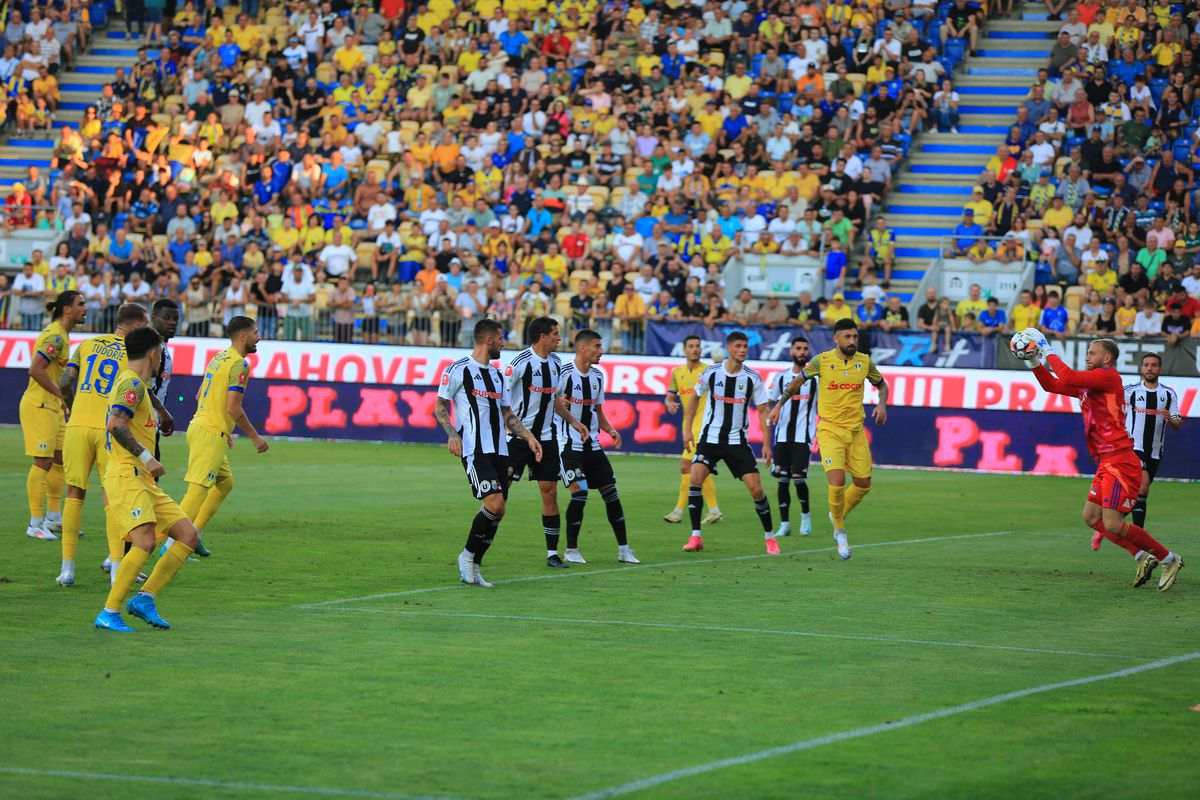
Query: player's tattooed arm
x=513 y=423
x=122 y=435
x=66 y=384
x=441 y=413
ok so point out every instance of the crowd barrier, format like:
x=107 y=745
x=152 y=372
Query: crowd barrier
x=994 y=420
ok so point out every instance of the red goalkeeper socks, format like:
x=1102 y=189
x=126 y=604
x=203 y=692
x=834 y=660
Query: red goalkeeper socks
x=1145 y=541
x=1117 y=540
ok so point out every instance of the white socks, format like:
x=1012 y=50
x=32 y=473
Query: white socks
x=36 y=522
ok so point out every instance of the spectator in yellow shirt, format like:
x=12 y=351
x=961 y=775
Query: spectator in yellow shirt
x=974 y=303
x=1025 y=314
x=982 y=208
x=1102 y=279
x=837 y=309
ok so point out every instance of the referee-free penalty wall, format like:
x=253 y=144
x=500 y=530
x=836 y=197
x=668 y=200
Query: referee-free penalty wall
x=975 y=419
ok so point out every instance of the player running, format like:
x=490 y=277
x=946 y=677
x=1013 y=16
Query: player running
x=1150 y=408
x=1118 y=471
x=584 y=463
x=482 y=409
x=532 y=379
x=723 y=434
x=682 y=390
x=99 y=361
x=218 y=410
x=140 y=507
x=44 y=412
x=842 y=374
x=794 y=437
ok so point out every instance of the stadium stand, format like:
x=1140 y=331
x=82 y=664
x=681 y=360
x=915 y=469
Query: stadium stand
x=519 y=158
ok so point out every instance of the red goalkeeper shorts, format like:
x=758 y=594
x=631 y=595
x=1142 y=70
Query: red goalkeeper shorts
x=1117 y=482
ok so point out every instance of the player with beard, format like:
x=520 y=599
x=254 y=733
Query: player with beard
x=794 y=437
x=843 y=374
x=483 y=412
x=210 y=433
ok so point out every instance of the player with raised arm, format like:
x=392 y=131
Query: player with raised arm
x=794 y=437
x=842 y=376
x=140 y=508
x=98 y=361
x=210 y=434
x=532 y=379
x=1118 y=478
x=680 y=392
x=482 y=410
x=43 y=413
x=584 y=463
x=731 y=387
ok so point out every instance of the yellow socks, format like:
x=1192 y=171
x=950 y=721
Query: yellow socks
x=192 y=501
x=710 y=493
x=114 y=534
x=168 y=564
x=35 y=487
x=131 y=565
x=55 y=482
x=684 y=482
x=216 y=496
x=837 y=502
x=72 y=521
x=854 y=496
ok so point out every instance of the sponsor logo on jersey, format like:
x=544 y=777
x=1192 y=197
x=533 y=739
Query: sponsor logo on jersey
x=737 y=401
x=835 y=386
x=485 y=393
x=508 y=370
x=542 y=389
x=581 y=401
x=445 y=379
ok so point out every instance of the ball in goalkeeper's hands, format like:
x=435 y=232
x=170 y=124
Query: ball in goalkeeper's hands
x=1024 y=347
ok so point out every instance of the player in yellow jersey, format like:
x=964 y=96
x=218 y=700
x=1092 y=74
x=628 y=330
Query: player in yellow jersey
x=44 y=415
x=218 y=411
x=86 y=382
x=682 y=391
x=141 y=510
x=843 y=374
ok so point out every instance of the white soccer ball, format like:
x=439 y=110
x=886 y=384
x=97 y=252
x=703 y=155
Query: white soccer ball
x=1023 y=346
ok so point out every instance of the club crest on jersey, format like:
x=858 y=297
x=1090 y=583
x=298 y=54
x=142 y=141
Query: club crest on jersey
x=242 y=379
x=50 y=348
x=136 y=513
x=858 y=365
x=508 y=370
x=131 y=397
x=445 y=379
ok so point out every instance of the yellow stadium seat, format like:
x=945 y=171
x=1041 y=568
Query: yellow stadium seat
x=600 y=195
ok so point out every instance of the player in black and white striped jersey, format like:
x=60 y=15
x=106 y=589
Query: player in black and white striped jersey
x=533 y=378
x=731 y=387
x=482 y=410
x=1149 y=408
x=794 y=435
x=584 y=463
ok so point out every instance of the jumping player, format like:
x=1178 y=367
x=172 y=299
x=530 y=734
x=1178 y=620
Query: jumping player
x=681 y=392
x=843 y=374
x=794 y=438
x=584 y=463
x=1118 y=471
x=482 y=409
x=723 y=436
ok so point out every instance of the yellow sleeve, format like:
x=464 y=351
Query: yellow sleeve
x=50 y=346
x=673 y=388
x=239 y=375
x=873 y=374
x=73 y=361
x=127 y=394
x=813 y=368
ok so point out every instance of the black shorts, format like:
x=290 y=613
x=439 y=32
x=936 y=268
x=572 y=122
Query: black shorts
x=1149 y=464
x=487 y=474
x=738 y=457
x=588 y=467
x=790 y=459
x=520 y=457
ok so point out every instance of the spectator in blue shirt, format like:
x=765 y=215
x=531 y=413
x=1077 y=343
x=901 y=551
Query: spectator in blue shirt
x=513 y=41
x=336 y=176
x=539 y=218
x=733 y=125
x=179 y=247
x=1053 y=321
x=965 y=235
x=835 y=264
x=992 y=319
x=730 y=224
x=229 y=52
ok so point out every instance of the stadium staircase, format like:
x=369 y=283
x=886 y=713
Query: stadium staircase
x=936 y=180
x=80 y=88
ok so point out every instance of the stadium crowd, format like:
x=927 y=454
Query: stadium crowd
x=385 y=172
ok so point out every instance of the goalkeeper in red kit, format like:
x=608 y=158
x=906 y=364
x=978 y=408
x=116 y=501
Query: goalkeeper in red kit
x=1118 y=470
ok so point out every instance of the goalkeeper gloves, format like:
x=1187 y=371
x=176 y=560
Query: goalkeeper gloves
x=1039 y=338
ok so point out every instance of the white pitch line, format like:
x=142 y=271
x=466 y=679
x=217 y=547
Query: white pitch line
x=684 y=561
x=317 y=791
x=718 y=629
x=858 y=733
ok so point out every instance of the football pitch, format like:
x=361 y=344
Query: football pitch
x=973 y=647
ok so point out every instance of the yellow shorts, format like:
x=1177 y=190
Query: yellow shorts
x=844 y=450
x=207 y=459
x=83 y=448
x=44 y=428
x=135 y=499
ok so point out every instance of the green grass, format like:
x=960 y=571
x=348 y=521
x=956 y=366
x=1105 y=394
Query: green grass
x=410 y=694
